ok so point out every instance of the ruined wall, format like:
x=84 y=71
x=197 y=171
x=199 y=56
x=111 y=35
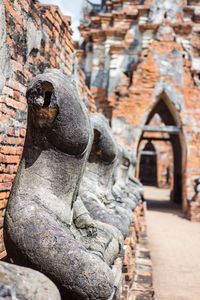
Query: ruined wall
x=33 y=37
x=151 y=49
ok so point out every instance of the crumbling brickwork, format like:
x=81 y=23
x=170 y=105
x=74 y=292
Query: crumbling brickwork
x=33 y=37
x=142 y=58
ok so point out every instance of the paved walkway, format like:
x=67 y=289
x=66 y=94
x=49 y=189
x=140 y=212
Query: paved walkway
x=175 y=248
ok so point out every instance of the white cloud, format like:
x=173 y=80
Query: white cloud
x=95 y=1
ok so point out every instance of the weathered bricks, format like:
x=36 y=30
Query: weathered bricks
x=136 y=262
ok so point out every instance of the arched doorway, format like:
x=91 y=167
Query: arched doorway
x=172 y=126
x=148 y=165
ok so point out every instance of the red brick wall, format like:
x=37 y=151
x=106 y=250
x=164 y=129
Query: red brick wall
x=55 y=49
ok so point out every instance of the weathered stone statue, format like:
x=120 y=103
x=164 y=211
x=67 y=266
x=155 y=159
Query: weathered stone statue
x=124 y=194
x=22 y=283
x=134 y=186
x=127 y=189
x=102 y=239
x=41 y=223
x=96 y=185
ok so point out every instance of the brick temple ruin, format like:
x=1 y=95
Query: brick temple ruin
x=141 y=60
x=137 y=63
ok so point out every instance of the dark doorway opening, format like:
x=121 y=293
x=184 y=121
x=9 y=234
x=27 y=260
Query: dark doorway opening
x=171 y=125
x=148 y=165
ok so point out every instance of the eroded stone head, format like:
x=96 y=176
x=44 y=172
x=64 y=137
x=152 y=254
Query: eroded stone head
x=55 y=110
x=104 y=145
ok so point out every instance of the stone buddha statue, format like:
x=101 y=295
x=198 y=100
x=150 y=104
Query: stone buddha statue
x=96 y=185
x=42 y=217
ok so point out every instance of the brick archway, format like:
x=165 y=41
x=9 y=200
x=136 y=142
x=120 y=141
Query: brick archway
x=168 y=113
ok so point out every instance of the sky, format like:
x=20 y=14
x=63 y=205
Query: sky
x=71 y=8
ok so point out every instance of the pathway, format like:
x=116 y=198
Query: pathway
x=175 y=248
